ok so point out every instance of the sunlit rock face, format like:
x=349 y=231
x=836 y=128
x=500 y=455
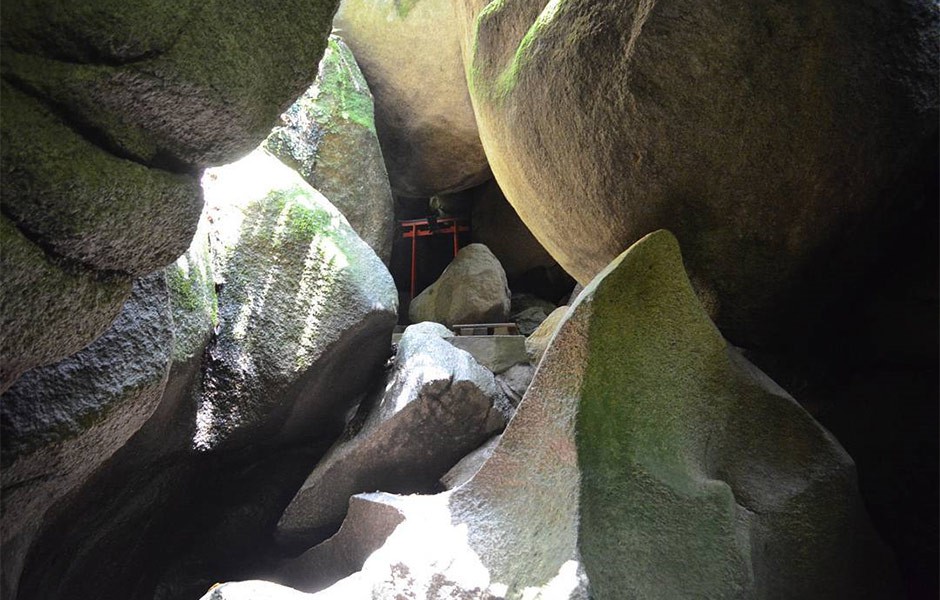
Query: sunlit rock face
x=647 y=457
x=769 y=138
x=299 y=296
x=410 y=54
x=328 y=136
x=110 y=110
x=438 y=405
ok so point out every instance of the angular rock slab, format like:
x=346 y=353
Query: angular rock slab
x=473 y=289
x=438 y=405
x=306 y=308
x=649 y=449
x=59 y=422
x=727 y=124
x=410 y=54
x=328 y=136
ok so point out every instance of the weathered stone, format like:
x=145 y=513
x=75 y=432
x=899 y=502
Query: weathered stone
x=59 y=422
x=439 y=404
x=328 y=136
x=50 y=309
x=472 y=289
x=498 y=353
x=367 y=526
x=663 y=463
x=85 y=204
x=538 y=341
x=700 y=476
x=729 y=125
x=207 y=93
x=410 y=54
x=529 y=319
x=515 y=380
x=468 y=466
x=306 y=308
x=110 y=109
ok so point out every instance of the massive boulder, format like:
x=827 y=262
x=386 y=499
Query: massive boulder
x=281 y=318
x=40 y=295
x=647 y=456
x=299 y=292
x=60 y=422
x=110 y=110
x=438 y=405
x=767 y=137
x=328 y=136
x=473 y=289
x=410 y=54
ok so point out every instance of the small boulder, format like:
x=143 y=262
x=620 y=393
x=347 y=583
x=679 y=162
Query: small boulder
x=328 y=136
x=439 y=404
x=473 y=289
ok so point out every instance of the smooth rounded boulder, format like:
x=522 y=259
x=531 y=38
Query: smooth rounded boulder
x=410 y=54
x=472 y=289
x=767 y=137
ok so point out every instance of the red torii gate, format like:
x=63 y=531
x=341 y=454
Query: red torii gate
x=428 y=226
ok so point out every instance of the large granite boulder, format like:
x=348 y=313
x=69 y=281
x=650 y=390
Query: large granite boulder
x=647 y=457
x=201 y=485
x=713 y=480
x=60 y=422
x=437 y=406
x=300 y=294
x=328 y=136
x=40 y=295
x=769 y=138
x=410 y=54
x=110 y=110
x=472 y=289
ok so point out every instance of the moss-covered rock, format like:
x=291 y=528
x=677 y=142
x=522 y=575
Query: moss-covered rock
x=59 y=422
x=410 y=54
x=98 y=30
x=763 y=135
x=50 y=308
x=700 y=477
x=86 y=204
x=209 y=95
x=193 y=299
x=306 y=308
x=328 y=136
